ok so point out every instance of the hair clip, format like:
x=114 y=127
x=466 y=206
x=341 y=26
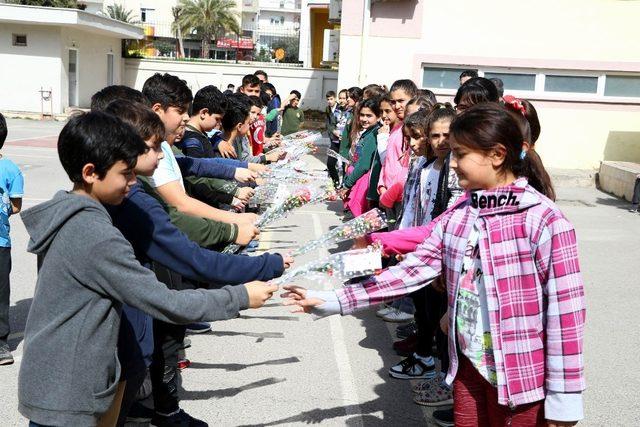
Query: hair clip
x=515 y=103
x=523 y=154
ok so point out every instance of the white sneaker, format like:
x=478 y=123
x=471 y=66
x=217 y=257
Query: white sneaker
x=384 y=310
x=397 y=316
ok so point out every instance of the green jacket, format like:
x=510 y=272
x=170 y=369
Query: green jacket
x=345 y=142
x=368 y=146
x=292 y=118
x=205 y=232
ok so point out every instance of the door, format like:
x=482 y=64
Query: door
x=73 y=78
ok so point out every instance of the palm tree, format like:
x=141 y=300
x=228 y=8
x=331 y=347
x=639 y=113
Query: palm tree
x=120 y=13
x=208 y=19
x=178 y=30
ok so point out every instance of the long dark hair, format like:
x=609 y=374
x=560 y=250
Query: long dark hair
x=476 y=90
x=486 y=125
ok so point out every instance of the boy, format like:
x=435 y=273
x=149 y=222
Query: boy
x=208 y=108
x=170 y=97
x=145 y=224
x=292 y=117
x=256 y=132
x=250 y=85
x=333 y=112
x=11 y=192
x=69 y=372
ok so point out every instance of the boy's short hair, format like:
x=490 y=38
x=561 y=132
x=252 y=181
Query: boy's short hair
x=237 y=112
x=330 y=94
x=100 y=139
x=469 y=73
x=261 y=73
x=231 y=86
x=251 y=80
x=167 y=90
x=140 y=117
x=499 y=85
x=103 y=97
x=256 y=102
x=3 y=130
x=296 y=93
x=211 y=98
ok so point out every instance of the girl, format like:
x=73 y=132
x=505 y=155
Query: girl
x=354 y=94
x=389 y=123
x=420 y=102
x=396 y=164
x=474 y=91
x=515 y=294
x=356 y=182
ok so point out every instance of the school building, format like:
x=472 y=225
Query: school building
x=54 y=59
x=578 y=61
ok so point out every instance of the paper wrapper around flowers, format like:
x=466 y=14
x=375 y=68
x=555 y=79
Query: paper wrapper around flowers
x=338 y=266
x=366 y=223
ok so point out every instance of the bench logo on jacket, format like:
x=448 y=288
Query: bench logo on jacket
x=493 y=200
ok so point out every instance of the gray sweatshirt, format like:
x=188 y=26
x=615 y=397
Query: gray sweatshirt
x=70 y=371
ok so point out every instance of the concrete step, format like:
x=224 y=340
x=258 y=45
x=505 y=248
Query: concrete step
x=618 y=178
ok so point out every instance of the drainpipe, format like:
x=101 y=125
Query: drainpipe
x=366 y=15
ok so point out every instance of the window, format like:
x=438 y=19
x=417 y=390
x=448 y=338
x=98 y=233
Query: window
x=441 y=78
x=622 y=86
x=514 y=81
x=573 y=84
x=146 y=15
x=19 y=39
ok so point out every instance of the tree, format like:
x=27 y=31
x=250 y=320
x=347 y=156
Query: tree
x=208 y=19
x=176 y=27
x=120 y=13
x=72 y=4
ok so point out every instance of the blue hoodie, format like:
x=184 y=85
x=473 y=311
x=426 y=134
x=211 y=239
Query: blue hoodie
x=147 y=226
x=210 y=168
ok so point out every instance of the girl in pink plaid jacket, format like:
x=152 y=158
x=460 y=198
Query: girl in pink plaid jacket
x=516 y=299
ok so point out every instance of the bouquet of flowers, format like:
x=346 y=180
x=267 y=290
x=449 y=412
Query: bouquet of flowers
x=366 y=223
x=342 y=266
x=341 y=159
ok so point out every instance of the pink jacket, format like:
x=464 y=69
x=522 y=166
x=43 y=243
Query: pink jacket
x=394 y=168
x=534 y=289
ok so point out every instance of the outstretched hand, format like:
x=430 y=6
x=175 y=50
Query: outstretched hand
x=296 y=297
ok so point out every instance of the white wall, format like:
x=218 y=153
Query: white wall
x=24 y=70
x=312 y=84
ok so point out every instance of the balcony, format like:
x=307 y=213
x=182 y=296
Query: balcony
x=250 y=6
x=293 y=6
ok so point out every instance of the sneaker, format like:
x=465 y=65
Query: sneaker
x=443 y=417
x=428 y=384
x=138 y=413
x=407 y=346
x=633 y=209
x=179 y=419
x=404 y=331
x=413 y=368
x=438 y=395
x=198 y=328
x=184 y=364
x=5 y=354
x=397 y=316
x=384 y=310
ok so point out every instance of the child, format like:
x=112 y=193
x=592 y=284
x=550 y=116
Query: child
x=342 y=99
x=333 y=113
x=516 y=298
x=396 y=164
x=208 y=108
x=356 y=182
x=11 y=192
x=389 y=123
x=353 y=95
x=256 y=137
x=87 y=270
x=250 y=85
x=292 y=116
x=274 y=104
x=474 y=91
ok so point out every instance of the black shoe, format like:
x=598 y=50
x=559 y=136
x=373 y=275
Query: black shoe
x=443 y=417
x=139 y=413
x=5 y=354
x=179 y=419
x=413 y=368
x=404 y=331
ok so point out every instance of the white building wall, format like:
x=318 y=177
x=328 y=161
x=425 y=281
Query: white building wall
x=24 y=70
x=311 y=83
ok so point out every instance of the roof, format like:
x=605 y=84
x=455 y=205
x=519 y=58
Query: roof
x=54 y=16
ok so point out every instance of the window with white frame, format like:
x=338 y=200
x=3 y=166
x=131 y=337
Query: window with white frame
x=550 y=84
x=146 y=14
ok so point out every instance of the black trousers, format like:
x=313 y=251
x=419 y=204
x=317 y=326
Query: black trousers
x=5 y=271
x=430 y=307
x=332 y=165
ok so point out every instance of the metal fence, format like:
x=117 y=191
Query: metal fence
x=260 y=43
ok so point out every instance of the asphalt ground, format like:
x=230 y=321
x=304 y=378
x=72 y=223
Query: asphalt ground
x=272 y=367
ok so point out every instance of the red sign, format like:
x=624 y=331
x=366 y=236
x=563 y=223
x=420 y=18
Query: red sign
x=241 y=43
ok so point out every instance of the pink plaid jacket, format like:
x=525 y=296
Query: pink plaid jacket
x=534 y=289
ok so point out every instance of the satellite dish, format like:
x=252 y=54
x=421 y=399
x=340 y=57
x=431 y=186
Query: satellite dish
x=280 y=54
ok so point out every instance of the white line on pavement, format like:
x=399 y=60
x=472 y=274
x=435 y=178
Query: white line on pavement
x=347 y=382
